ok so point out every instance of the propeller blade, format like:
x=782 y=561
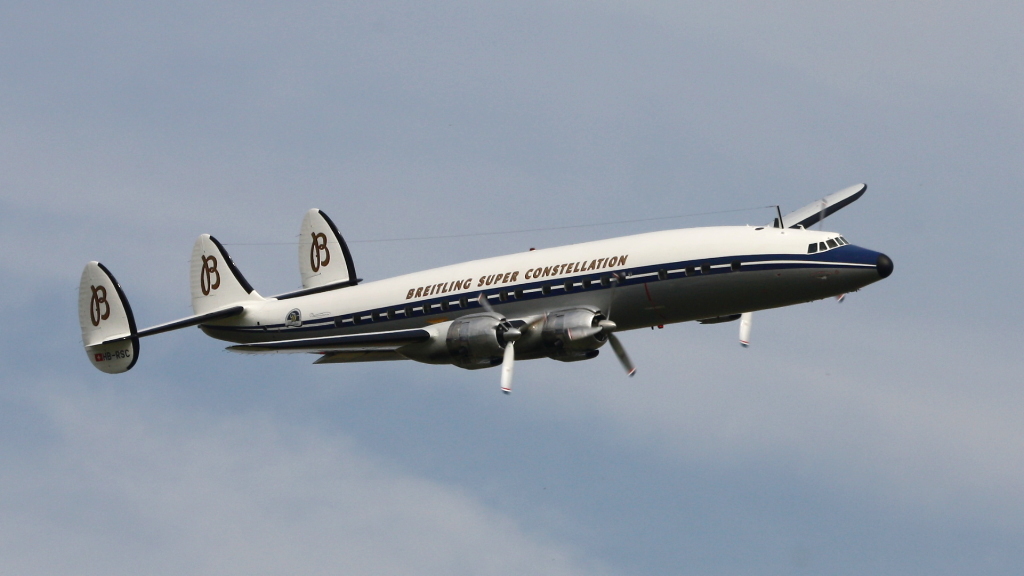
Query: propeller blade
x=840 y=298
x=482 y=299
x=745 y=320
x=621 y=353
x=506 y=368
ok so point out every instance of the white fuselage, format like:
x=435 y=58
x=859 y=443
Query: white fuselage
x=664 y=277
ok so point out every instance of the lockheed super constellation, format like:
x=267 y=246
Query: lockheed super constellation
x=562 y=303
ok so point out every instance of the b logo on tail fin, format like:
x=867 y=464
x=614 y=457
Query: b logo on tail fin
x=99 y=298
x=214 y=280
x=209 y=269
x=319 y=245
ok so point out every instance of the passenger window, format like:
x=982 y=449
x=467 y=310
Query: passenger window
x=705 y=268
x=357 y=319
x=735 y=266
x=545 y=289
x=408 y=311
x=445 y=305
x=391 y=314
x=568 y=285
x=518 y=293
x=812 y=248
x=586 y=283
x=662 y=274
x=832 y=243
x=503 y=296
x=463 y=302
x=690 y=271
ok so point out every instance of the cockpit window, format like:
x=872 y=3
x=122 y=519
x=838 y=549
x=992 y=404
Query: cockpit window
x=827 y=245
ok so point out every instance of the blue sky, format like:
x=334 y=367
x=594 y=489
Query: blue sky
x=882 y=435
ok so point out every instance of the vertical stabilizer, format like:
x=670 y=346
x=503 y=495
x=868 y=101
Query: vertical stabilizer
x=108 y=326
x=215 y=280
x=324 y=259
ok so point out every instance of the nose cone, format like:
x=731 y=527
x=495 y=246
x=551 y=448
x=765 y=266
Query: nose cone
x=884 y=265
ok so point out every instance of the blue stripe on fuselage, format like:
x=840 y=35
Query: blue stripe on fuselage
x=846 y=256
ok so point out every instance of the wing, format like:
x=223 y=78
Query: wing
x=818 y=211
x=368 y=344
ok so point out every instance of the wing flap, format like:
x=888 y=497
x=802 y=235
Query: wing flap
x=366 y=342
x=359 y=356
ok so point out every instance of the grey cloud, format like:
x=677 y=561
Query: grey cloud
x=123 y=486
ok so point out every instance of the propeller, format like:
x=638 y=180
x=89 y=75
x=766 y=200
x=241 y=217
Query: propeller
x=510 y=335
x=608 y=327
x=508 y=362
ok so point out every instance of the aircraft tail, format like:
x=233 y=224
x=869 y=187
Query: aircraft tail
x=215 y=280
x=324 y=258
x=108 y=326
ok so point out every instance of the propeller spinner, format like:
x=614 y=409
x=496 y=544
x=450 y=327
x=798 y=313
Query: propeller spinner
x=608 y=328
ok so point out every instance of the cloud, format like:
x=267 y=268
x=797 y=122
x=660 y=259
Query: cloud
x=129 y=486
x=889 y=419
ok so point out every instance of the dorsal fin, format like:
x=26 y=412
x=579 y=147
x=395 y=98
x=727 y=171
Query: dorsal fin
x=324 y=259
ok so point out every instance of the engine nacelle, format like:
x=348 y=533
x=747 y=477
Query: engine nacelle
x=568 y=334
x=476 y=342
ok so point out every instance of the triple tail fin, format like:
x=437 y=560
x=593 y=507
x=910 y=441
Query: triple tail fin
x=109 y=333
x=215 y=280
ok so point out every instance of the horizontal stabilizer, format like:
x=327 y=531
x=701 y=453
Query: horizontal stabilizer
x=192 y=321
x=367 y=342
x=817 y=211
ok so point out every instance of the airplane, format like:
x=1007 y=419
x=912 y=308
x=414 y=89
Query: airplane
x=562 y=303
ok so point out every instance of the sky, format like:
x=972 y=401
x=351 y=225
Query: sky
x=881 y=435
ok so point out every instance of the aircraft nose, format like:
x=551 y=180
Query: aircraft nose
x=884 y=265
